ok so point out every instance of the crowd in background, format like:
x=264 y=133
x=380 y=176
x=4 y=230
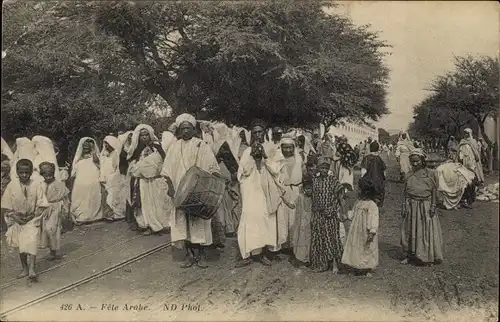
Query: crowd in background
x=285 y=192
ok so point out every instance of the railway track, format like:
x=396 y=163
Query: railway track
x=91 y=277
x=15 y=281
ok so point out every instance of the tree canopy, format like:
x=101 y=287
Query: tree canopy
x=463 y=97
x=82 y=68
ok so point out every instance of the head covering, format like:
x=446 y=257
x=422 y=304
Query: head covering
x=6 y=150
x=287 y=140
x=79 y=151
x=468 y=130
x=167 y=139
x=185 y=118
x=25 y=149
x=258 y=122
x=277 y=130
x=114 y=142
x=135 y=138
x=45 y=152
x=418 y=152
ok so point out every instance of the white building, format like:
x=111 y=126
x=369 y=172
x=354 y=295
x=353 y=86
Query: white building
x=355 y=133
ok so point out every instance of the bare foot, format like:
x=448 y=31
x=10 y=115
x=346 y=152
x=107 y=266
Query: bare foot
x=335 y=271
x=23 y=274
x=369 y=274
x=33 y=277
x=404 y=261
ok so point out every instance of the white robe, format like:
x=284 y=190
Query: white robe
x=86 y=195
x=25 y=237
x=453 y=179
x=260 y=193
x=403 y=152
x=115 y=183
x=291 y=176
x=181 y=156
x=469 y=155
x=156 y=205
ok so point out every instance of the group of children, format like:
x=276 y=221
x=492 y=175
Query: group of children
x=33 y=210
x=327 y=199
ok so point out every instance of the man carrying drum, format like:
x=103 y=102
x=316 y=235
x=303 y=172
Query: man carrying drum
x=189 y=232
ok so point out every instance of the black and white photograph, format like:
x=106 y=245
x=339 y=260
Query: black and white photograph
x=273 y=160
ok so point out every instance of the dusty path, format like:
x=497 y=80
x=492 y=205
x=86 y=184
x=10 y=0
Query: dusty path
x=463 y=288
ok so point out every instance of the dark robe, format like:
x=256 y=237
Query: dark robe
x=375 y=168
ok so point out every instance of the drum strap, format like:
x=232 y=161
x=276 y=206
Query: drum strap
x=195 y=160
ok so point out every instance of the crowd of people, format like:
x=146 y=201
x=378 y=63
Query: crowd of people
x=285 y=193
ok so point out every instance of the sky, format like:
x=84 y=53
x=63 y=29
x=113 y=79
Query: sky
x=425 y=36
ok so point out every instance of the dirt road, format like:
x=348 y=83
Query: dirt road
x=463 y=288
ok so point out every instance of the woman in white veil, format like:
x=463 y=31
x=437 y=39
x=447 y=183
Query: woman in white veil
x=86 y=195
x=6 y=150
x=149 y=199
x=45 y=152
x=25 y=149
x=115 y=184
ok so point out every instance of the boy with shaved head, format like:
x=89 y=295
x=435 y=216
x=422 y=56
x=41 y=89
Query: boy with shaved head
x=23 y=201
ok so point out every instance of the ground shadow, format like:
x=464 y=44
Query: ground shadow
x=66 y=249
x=393 y=251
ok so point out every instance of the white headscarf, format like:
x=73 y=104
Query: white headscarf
x=135 y=138
x=167 y=139
x=25 y=149
x=6 y=150
x=44 y=153
x=114 y=142
x=123 y=137
x=185 y=118
x=79 y=152
x=110 y=160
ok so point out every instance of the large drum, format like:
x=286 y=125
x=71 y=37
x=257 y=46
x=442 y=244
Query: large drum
x=199 y=193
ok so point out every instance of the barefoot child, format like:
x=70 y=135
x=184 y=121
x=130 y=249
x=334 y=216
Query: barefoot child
x=361 y=248
x=57 y=196
x=327 y=195
x=24 y=201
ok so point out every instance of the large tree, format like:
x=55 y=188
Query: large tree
x=285 y=61
x=90 y=66
x=472 y=87
x=467 y=95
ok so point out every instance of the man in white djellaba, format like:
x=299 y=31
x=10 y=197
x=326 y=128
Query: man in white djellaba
x=188 y=232
x=261 y=194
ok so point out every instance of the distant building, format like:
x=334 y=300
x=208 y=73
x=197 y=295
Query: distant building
x=355 y=133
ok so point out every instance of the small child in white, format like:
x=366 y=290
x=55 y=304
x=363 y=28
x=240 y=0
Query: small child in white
x=23 y=202
x=361 y=247
x=57 y=196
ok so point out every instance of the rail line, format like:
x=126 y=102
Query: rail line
x=16 y=281
x=84 y=280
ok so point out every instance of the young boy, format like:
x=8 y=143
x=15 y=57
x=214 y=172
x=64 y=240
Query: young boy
x=57 y=197
x=23 y=202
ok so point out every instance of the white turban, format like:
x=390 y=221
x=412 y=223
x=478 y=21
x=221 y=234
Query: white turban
x=468 y=130
x=185 y=118
x=288 y=140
